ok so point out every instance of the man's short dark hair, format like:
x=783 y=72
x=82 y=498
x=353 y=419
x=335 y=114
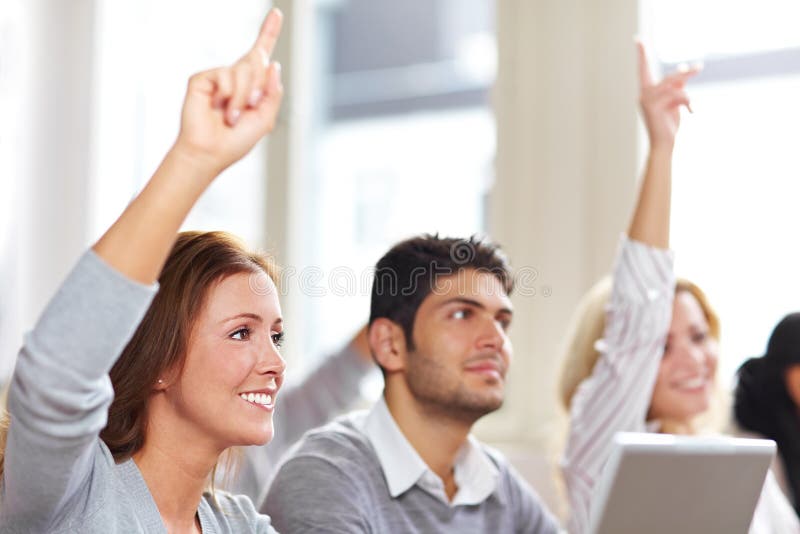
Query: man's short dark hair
x=407 y=274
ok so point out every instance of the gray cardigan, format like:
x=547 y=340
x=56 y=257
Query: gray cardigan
x=59 y=476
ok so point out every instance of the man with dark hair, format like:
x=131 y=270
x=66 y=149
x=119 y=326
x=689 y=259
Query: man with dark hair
x=439 y=318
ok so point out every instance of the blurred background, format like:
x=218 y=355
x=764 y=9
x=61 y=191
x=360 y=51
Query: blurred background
x=514 y=118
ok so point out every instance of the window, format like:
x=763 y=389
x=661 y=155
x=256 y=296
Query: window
x=404 y=144
x=736 y=176
x=146 y=52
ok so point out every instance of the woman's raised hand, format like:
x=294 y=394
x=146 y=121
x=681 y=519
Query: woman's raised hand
x=661 y=102
x=228 y=109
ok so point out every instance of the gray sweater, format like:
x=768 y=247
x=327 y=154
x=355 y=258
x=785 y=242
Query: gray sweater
x=59 y=476
x=333 y=482
x=325 y=392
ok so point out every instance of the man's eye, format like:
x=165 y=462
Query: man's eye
x=241 y=334
x=461 y=314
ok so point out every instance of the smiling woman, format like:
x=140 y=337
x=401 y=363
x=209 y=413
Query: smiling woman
x=206 y=320
x=642 y=355
x=126 y=394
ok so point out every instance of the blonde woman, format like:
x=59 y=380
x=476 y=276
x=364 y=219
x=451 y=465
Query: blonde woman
x=644 y=348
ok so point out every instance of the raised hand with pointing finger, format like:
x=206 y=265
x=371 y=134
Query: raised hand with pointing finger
x=661 y=101
x=228 y=109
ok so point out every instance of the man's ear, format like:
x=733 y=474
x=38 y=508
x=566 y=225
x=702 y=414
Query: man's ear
x=792 y=380
x=388 y=344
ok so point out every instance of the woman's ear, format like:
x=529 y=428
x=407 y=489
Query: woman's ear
x=165 y=380
x=160 y=385
x=388 y=344
x=792 y=380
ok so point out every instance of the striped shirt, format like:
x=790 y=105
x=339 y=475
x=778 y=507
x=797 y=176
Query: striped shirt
x=616 y=397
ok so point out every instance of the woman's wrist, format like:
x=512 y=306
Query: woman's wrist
x=662 y=148
x=194 y=164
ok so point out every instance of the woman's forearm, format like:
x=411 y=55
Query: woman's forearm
x=651 y=216
x=137 y=244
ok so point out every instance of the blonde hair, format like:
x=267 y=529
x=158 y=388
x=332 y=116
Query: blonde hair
x=581 y=353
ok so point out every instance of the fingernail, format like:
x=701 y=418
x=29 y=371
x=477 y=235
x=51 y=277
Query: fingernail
x=233 y=116
x=255 y=98
x=689 y=107
x=278 y=66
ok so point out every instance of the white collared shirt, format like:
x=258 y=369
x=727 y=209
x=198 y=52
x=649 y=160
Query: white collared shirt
x=475 y=474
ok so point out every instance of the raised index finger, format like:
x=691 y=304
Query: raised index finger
x=645 y=78
x=269 y=32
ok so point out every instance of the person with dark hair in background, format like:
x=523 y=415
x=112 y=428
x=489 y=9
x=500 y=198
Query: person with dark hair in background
x=767 y=401
x=438 y=329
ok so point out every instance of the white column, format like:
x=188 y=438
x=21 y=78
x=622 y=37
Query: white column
x=289 y=157
x=51 y=191
x=13 y=102
x=566 y=168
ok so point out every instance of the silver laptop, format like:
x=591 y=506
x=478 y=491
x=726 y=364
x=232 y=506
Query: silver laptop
x=663 y=484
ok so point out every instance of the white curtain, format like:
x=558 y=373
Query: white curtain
x=45 y=97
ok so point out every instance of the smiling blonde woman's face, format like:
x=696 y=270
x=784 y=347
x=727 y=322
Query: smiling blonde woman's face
x=685 y=382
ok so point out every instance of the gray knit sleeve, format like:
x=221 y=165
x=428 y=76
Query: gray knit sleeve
x=60 y=391
x=312 y=494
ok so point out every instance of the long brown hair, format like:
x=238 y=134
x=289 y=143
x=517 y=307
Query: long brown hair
x=198 y=260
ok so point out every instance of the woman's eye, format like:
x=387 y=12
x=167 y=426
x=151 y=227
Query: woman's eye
x=699 y=337
x=241 y=334
x=277 y=339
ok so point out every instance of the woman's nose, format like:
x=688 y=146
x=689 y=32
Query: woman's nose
x=271 y=362
x=694 y=355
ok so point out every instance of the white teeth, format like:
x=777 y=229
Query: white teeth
x=693 y=383
x=257 y=398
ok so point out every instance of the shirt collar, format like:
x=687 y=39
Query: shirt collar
x=475 y=474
